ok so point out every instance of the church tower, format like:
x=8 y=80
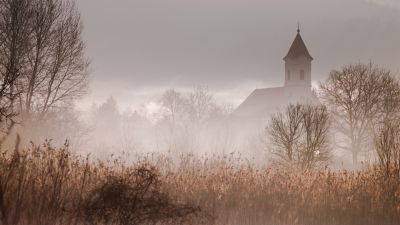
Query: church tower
x=298 y=64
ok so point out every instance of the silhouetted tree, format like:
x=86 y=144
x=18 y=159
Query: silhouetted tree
x=56 y=68
x=299 y=136
x=15 y=36
x=285 y=133
x=360 y=97
x=42 y=62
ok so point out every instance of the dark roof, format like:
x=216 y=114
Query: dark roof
x=298 y=49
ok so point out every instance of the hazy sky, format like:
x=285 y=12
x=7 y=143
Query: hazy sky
x=139 y=48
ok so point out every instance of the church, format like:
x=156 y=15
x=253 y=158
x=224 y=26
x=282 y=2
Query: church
x=258 y=107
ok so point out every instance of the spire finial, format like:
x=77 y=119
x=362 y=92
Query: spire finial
x=298 y=27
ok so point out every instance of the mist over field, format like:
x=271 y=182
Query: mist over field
x=144 y=112
x=230 y=48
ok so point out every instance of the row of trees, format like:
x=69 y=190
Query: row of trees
x=185 y=122
x=189 y=121
x=42 y=63
x=360 y=106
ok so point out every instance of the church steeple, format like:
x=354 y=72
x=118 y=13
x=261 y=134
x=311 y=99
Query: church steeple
x=298 y=48
x=298 y=63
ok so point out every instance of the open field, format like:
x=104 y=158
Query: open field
x=45 y=185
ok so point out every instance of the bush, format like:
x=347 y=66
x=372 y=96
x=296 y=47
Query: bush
x=133 y=199
x=44 y=185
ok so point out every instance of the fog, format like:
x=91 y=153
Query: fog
x=212 y=55
x=140 y=48
x=200 y=112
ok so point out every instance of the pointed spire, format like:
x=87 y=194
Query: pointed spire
x=298 y=48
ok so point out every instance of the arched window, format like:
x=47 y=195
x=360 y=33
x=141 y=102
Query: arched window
x=288 y=75
x=302 y=75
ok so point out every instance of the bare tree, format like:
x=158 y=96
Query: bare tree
x=187 y=118
x=389 y=104
x=358 y=97
x=285 y=133
x=42 y=62
x=15 y=30
x=315 y=124
x=200 y=105
x=299 y=136
x=172 y=105
x=57 y=68
x=172 y=110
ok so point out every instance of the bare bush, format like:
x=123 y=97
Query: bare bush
x=132 y=200
x=387 y=146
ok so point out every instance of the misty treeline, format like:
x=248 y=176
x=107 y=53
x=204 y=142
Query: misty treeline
x=184 y=123
x=357 y=106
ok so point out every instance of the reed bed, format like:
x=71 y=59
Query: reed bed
x=239 y=194
x=44 y=185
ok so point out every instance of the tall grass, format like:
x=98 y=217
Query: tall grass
x=243 y=195
x=48 y=186
x=44 y=185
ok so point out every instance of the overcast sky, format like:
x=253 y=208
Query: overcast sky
x=139 y=48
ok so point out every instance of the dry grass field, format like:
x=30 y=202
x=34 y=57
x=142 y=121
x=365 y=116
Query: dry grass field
x=47 y=186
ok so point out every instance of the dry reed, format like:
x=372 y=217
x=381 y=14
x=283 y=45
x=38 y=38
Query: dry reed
x=44 y=185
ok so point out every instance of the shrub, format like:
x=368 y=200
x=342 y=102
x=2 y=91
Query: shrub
x=133 y=199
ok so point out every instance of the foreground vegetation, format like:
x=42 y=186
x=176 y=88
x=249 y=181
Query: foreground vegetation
x=44 y=185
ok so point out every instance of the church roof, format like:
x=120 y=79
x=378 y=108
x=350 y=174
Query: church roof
x=260 y=101
x=298 y=49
